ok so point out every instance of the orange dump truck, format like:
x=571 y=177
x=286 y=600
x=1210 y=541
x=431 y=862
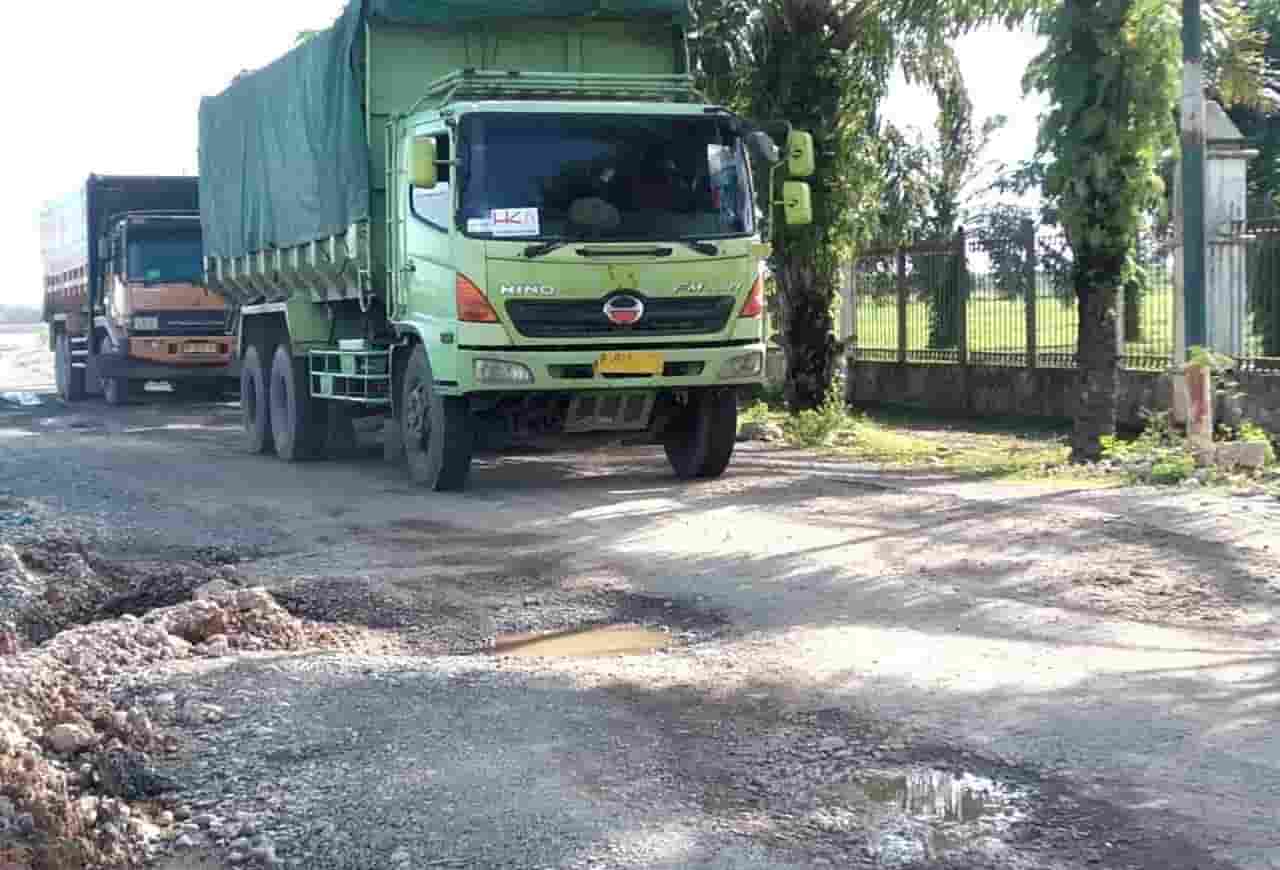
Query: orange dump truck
x=124 y=293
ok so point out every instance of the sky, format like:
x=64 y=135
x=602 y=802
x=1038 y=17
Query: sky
x=115 y=88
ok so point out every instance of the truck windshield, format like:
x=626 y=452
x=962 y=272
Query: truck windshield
x=156 y=257
x=603 y=177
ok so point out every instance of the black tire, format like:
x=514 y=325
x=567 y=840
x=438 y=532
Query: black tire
x=117 y=391
x=255 y=405
x=297 y=424
x=70 y=380
x=700 y=442
x=436 y=430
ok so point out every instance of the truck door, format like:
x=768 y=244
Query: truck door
x=428 y=267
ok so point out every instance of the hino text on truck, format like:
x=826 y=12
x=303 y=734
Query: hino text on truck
x=493 y=225
x=124 y=296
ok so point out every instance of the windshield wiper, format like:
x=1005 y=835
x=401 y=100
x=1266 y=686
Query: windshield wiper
x=701 y=247
x=544 y=248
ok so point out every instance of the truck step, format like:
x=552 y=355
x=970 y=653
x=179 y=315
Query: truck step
x=361 y=376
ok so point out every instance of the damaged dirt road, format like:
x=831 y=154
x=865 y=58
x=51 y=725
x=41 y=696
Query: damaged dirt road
x=843 y=666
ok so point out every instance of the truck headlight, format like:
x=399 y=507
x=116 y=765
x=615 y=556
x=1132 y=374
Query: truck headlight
x=494 y=371
x=745 y=365
x=146 y=324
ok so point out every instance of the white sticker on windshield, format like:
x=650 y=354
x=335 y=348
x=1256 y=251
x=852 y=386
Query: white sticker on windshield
x=477 y=226
x=515 y=222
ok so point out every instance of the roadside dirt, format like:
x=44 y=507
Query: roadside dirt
x=864 y=668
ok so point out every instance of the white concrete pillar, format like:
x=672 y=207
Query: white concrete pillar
x=1226 y=199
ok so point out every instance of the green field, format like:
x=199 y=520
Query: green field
x=998 y=325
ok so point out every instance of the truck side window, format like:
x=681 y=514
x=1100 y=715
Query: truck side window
x=433 y=205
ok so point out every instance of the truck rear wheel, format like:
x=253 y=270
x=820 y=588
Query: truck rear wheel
x=436 y=430
x=700 y=442
x=296 y=425
x=69 y=379
x=255 y=405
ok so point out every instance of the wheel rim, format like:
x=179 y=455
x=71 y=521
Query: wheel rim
x=417 y=420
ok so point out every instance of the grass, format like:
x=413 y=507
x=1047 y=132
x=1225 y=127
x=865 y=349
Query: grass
x=999 y=325
x=906 y=440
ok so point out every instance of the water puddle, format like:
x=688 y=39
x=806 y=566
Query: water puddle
x=608 y=640
x=920 y=814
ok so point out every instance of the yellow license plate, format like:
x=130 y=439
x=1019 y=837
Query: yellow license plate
x=630 y=362
x=200 y=348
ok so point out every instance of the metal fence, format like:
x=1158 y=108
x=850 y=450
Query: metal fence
x=1262 y=338
x=999 y=296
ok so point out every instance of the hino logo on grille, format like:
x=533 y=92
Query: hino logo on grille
x=624 y=310
x=526 y=290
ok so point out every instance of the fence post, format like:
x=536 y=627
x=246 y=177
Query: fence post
x=902 y=305
x=962 y=289
x=1033 y=295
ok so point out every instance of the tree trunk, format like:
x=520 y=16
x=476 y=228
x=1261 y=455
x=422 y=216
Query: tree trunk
x=1098 y=354
x=942 y=276
x=1133 y=310
x=807 y=330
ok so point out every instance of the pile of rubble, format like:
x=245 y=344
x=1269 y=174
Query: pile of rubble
x=77 y=784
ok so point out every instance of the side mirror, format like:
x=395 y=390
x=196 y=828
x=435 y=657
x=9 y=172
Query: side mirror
x=422 y=162
x=763 y=147
x=797 y=203
x=800 y=162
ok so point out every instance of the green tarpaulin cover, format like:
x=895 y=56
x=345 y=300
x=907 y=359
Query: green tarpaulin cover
x=283 y=153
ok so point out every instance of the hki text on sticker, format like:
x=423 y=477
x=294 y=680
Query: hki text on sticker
x=515 y=222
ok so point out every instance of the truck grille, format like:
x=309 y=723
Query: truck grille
x=183 y=323
x=586 y=319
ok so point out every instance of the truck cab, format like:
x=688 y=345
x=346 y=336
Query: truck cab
x=593 y=246
x=155 y=307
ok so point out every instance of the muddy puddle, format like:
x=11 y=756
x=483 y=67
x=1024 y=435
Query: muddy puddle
x=920 y=814
x=607 y=640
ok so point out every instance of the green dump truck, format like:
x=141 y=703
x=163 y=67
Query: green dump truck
x=490 y=224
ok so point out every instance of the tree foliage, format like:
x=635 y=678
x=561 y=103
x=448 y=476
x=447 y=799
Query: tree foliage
x=824 y=66
x=1111 y=70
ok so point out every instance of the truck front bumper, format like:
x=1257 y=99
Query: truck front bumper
x=171 y=358
x=724 y=364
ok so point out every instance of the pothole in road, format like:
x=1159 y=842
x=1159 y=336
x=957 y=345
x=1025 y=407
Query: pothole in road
x=913 y=815
x=588 y=642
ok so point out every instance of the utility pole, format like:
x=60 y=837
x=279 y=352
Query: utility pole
x=1194 y=243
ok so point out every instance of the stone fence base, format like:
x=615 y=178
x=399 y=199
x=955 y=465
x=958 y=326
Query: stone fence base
x=993 y=391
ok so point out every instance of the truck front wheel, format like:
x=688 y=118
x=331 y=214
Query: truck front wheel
x=255 y=405
x=295 y=423
x=116 y=390
x=70 y=380
x=436 y=429
x=700 y=441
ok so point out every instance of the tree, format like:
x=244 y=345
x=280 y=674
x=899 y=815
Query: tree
x=1111 y=72
x=1258 y=120
x=954 y=166
x=824 y=66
